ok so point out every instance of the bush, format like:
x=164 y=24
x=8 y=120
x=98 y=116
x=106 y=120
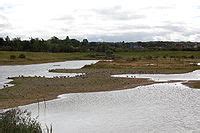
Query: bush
x=17 y=121
x=22 y=56
x=12 y=57
x=109 y=53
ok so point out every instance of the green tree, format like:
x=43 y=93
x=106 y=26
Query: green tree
x=85 y=42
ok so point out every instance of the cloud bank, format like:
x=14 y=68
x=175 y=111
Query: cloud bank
x=113 y=20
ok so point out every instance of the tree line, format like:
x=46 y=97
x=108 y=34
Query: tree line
x=54 y=44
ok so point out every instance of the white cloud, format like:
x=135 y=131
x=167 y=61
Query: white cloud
x=107 y=20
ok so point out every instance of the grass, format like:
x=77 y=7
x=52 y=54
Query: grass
x=149 y=66
x=44 y=57
x=159 y=54
x=39 y=57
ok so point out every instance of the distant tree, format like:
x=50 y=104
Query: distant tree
x=109 y=53
x=85 y=42
x=7 y=39
x=67 y=38
x=54 y=39
x=1 y=41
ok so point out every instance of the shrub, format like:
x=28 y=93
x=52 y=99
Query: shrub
x=109 y=53
x=12 y=57
x=22 y=56
x=17 y=121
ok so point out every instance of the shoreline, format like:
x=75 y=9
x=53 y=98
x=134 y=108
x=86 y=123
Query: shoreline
x=97 y=78
x=194 y=84
x=42 y=90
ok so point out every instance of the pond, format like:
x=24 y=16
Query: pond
x=161 y=107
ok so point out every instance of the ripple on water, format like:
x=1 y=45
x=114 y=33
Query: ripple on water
x=166 y=107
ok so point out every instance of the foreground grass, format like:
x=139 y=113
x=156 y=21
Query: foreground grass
x=18 y=121
x=29 y=90
x=39 y=57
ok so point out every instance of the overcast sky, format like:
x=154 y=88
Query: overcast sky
x=102 y=20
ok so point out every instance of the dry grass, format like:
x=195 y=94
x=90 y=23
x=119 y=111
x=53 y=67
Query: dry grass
x=149 y=66
x=193 y=84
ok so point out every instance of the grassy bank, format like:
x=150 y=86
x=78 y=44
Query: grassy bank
x=38 y=57
x=12 y=57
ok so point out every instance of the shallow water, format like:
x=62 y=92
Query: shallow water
x=40 y=70
x=166 y=107
x=162 y=107
x=195 y=75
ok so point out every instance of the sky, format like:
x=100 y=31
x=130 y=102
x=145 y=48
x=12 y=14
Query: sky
x=102 y=20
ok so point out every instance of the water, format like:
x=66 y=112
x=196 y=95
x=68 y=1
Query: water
x=195 y=75
x=162 y=107
x=40 y=70
x=166 y=107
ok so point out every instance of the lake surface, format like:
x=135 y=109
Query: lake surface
x=161 y=107
x=40 y=70
x=166 y=107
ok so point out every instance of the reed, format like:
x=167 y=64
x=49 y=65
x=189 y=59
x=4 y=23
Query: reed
x=18 y=121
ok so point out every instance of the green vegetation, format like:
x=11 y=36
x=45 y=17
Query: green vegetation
x=14 y=57
x=158 y=65
x=55 y=44
x=159 y=54
x=22 y=56
x=17 y=121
